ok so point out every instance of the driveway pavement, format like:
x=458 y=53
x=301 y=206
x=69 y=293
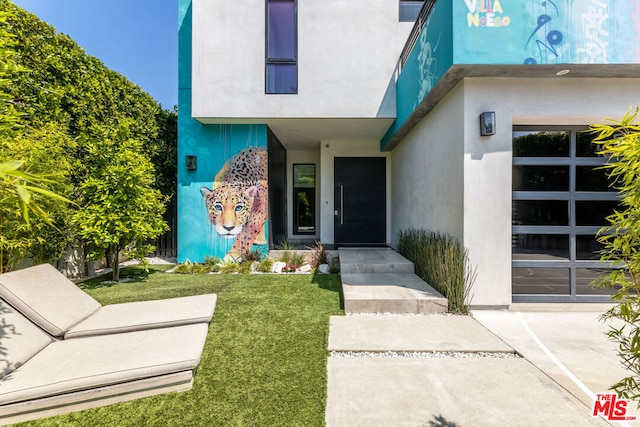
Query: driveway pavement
x=494 y=368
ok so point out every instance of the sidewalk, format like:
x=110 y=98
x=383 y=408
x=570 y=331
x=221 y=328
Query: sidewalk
x=394 y=370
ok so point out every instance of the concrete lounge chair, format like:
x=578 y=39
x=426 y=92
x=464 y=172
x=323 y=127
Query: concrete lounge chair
x=57 y=305
x=43 y=377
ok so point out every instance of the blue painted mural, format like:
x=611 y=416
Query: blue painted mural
x=518 y=32
x=223 y=201
x=546 y=31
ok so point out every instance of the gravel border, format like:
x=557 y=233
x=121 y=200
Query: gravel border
x=424 y=355
x=444 y=314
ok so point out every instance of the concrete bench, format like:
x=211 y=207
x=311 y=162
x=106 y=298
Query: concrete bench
x=61 y=352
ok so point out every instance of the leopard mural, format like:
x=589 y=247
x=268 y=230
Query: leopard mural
x=238 y=203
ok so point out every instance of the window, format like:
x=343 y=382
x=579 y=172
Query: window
x=410 y=9
x=560 y=200
x=304 y=199
x=281 y=47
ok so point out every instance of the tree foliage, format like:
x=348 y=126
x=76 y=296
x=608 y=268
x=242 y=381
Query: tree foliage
x=620 y=142
x=57 y=106
x=120 y=207
x=34 y=181
x=22 y=189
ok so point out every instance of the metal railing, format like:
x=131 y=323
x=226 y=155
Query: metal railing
x=426 y=10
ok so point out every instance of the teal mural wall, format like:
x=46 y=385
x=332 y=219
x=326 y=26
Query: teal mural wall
x=525 y=32
x=429 y=60
x=546 y=31
x=216 y=219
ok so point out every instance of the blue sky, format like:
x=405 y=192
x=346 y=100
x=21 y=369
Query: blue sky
x=136 y=38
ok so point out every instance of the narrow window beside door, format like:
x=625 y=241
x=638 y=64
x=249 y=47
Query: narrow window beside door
x=304 y=199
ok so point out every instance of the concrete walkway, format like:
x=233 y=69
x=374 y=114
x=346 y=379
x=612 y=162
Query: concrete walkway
x=438 y=370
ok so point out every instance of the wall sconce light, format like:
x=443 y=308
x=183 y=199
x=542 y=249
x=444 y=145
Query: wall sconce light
x=488 y=123
x=192 y=163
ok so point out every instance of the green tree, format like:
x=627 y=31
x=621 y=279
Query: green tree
x=60 y=93
x=22 y=189
x=35 y=180
x=620 y=141
x=120 y=208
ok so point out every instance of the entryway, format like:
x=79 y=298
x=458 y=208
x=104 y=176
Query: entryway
x=360 y=200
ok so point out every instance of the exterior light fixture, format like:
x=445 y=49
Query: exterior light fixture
x=192 y=163
x=488 y=123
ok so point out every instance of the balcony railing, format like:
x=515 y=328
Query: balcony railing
x=427 y=7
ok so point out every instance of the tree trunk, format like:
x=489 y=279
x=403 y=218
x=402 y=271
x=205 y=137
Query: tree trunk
x=115 y=252
x=85 y=258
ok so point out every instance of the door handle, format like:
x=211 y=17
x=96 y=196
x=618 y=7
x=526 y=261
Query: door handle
x=341 y=204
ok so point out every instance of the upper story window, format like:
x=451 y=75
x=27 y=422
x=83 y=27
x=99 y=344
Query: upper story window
x=282 y=47
x=410 y=9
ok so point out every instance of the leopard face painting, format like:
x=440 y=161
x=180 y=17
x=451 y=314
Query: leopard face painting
x=237 y=205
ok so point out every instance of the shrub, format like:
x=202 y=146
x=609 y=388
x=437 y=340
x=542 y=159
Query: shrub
x=212 y=261
x=620 y=142
x=189 y=267
x=318 y=255
x=185 y=268
x=297 y=259
x=287 y=257
x=244 y=267
x=285 y=245
x=251 y=255
x=265 y=265
x=292 y=258
x=229 y=267
x=442 y=262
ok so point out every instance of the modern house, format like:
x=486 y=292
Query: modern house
x=346 y=122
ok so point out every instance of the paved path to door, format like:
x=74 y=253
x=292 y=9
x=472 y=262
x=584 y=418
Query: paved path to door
x=392 y=370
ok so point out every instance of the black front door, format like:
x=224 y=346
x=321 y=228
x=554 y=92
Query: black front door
x=360 y=200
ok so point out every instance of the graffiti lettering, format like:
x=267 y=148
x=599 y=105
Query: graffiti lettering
x=546 y=44
x=483 y=13
x=484 y=6
x=488 y=20
x=595 y=50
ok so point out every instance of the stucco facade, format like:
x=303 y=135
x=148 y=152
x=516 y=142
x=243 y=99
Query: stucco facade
x=544 y=64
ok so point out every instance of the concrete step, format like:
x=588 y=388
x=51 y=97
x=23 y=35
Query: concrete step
x=435 y=333
x=373 y=260
x=390 y=293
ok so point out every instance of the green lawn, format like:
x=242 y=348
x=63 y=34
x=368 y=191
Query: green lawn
x=264 y=362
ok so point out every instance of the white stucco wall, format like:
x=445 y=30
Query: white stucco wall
x=302 y=157
x=347 y=51
x=446 y=177
x=330 y=149
x=427 y=171
x=488 y=160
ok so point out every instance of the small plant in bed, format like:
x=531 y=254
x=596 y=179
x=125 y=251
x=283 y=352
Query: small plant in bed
x=318 y=255
x=289 y=268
